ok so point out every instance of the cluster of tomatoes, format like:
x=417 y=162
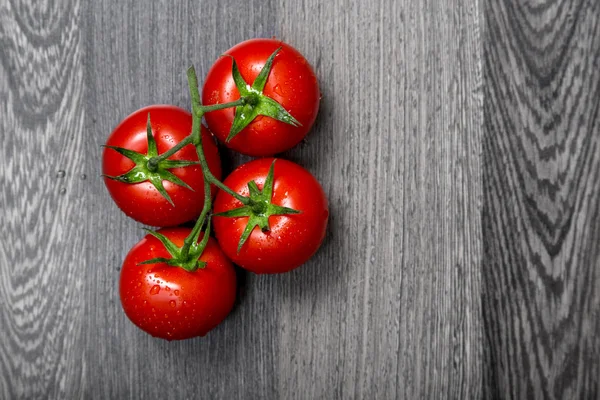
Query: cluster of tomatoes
x=162 y=168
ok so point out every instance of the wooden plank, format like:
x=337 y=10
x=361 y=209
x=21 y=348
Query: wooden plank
x=44 y=245
x=393 y=307
x=541 y=221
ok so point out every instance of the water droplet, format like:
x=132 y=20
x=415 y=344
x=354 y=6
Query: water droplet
x=83 y=177
x=185 y=303
x=169 y=334
x=176 y=292
x=166 y=316
x=155 y=289
x=145 y=302
x=63 y=191
x=277 y=89
x=167 y=288
x=173 y=303
x=61 y=173
x=139 y=284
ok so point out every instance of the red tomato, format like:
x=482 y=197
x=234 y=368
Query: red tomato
x=292 y=83
x=170 y=302
x=142 y=201
x=292 y=238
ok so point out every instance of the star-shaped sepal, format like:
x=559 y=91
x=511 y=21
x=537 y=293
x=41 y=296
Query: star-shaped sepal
x=145 y=170
x=259 y=208
x=256 y=103
x=190 y=261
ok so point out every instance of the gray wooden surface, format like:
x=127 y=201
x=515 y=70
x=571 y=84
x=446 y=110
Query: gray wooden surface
x=458 y=145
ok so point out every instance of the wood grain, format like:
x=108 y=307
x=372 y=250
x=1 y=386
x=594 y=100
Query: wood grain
x=43 y=242
x=541 y=221
x=401 y=127
x=390 y=307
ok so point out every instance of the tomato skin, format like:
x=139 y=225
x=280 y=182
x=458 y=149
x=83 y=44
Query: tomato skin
x=293 y=239
x=292 y=83
x=169 y=302
x=142 y=201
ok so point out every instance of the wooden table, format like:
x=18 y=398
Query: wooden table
x=458 y=143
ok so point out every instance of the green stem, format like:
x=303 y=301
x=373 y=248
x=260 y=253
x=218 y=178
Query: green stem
x=215 y=107
x=197 y=114
x=244 y=200
x=196 y=138
x=153 y=162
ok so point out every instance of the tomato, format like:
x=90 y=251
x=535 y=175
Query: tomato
x=292 y=238
x=142 y=201
x=170 y=302
x=291 y=82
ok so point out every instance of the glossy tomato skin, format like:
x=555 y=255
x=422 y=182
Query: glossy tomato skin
x=292 y=83
x=169 y=302
x=141 y=201
x=293 y=239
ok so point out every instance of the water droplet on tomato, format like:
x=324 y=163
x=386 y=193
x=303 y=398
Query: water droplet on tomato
x=166 y=315
x=277 y=89
x=173 y=303
x=155 y=290
x=167 y=288
x=176 y=292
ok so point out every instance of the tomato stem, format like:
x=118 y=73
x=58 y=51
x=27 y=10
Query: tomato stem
x=215 y=107
x=196 y=138
x=153 y=162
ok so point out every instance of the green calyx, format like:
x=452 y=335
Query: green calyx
x=259 y=208
x=188 y=259
x=255 y=102
x=151 y=167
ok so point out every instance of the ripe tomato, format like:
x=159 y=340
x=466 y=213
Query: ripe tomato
x=291 y=82
x=142 y=201
x=170 y=302
x=292 y=238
